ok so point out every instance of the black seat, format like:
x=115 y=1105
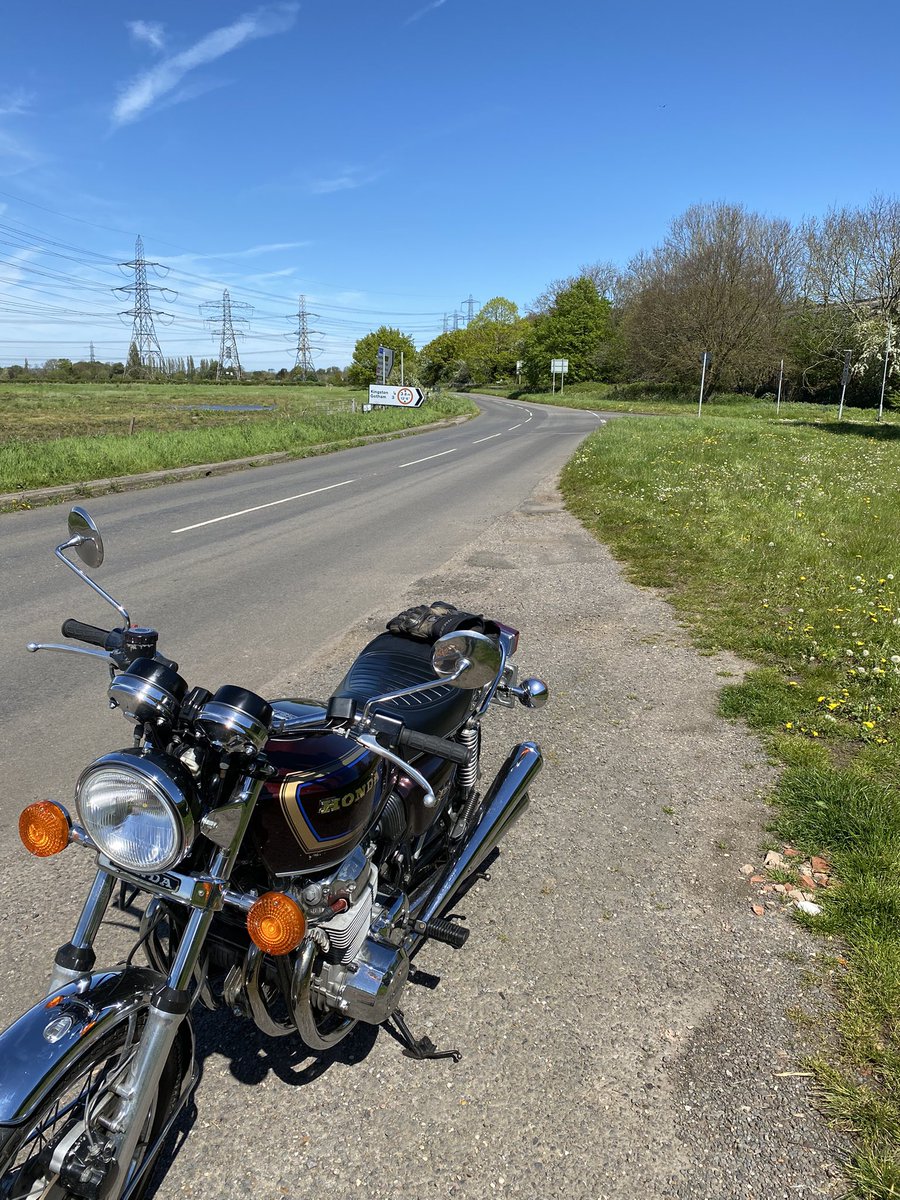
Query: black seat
x=390 y=663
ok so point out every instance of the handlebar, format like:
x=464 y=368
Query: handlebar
x=410 y=739
x=106 y=639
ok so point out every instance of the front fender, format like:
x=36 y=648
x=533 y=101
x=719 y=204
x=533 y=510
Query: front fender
x=75 y=1016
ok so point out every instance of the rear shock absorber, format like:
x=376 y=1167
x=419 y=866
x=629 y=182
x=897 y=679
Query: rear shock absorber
x=470 y=737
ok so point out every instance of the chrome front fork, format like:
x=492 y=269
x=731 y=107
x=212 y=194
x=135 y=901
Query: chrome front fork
x=171 y=1003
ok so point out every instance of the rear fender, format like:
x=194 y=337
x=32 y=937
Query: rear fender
x=74 y=1016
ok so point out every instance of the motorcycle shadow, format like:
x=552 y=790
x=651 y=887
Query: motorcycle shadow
x=252 y=1056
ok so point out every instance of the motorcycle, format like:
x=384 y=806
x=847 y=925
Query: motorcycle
x=295 y=857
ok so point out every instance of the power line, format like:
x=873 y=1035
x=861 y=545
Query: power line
x=470 y=306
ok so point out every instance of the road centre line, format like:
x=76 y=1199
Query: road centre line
x=487 y=439
x=427 y=459
x=512 y=427
x=256 y=508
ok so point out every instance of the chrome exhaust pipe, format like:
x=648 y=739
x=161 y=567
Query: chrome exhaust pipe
x=504 y=804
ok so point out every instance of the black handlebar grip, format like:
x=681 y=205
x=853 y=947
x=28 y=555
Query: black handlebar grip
x=409 y=739
x=106 y=639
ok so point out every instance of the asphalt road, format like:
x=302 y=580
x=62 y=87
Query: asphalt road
x=245 y=573
x=621 y=1011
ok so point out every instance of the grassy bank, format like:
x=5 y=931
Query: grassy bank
x=674 y=401
x=44 y=452
x=780 y=542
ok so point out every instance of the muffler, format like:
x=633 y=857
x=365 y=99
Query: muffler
x=504 y=804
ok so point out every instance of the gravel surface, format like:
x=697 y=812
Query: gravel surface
x=620 y=1010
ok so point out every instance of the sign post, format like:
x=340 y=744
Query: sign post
x=887 y=355
x=385 y=362
x=706 y=360
x=845 y=379
x=559 y=366
x=778 y=398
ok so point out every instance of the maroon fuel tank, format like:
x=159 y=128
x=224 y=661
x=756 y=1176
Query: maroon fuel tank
x=325 y=793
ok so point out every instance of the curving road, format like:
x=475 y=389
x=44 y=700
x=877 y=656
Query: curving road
x=248 y=574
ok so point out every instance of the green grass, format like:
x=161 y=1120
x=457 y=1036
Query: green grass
x=779 y=541
x=666 y=400
x=72 y=433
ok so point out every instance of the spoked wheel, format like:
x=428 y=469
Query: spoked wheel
x=32 y=1155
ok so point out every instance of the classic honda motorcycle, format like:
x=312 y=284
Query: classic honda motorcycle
x=296 y=856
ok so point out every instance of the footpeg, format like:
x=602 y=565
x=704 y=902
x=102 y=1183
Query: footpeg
x=450 y=932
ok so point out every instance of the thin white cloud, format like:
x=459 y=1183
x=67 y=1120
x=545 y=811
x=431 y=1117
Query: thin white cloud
x=15 y=104
x=422 y=11
x=226 y=255
x=162 y=79
x=152 y=33
x=352 y=177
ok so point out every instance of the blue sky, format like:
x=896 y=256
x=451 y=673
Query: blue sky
x=389 y=160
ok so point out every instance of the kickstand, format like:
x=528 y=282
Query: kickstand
x=414 y=1047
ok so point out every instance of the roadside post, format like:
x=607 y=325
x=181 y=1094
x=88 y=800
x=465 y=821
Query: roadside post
x=560 y=367
x=887 y=355
x=780 y=378
x=845 y=379
x=706 y=360
x=518 y=372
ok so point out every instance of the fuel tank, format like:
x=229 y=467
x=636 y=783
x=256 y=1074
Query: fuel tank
x=325 y=793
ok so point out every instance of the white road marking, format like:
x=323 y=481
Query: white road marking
x=271 y=504
x=512 y=427
x=487 y=439
x=428 y=459
x=528 y=418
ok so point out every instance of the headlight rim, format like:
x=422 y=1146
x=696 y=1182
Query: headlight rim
x=171 y=784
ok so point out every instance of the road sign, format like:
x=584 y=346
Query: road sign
x=399 y=397
x=385 y=362
x=559 y=366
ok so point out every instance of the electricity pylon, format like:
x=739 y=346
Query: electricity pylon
x=470 y=306
x=142 y=312
x=304 y=360
x=221 y=319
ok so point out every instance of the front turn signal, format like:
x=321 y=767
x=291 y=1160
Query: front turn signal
x=276 y=923
x=44 y=828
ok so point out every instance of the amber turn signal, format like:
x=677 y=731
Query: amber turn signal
x=276 y=923
x=44 y=828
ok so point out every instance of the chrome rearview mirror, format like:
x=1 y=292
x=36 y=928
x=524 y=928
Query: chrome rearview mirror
x=85 y=537
x=467 y=659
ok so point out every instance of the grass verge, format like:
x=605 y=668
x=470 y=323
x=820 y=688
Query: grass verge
x=780 y=542
x=667 y=400
x=46 y=461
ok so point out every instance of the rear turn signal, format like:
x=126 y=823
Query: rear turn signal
x=44 y=828
x=276 y=923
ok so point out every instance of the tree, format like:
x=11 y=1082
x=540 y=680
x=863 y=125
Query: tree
x=363 y=369
x=851 y=264
x=605 y=276
x=492 y=341
x=440 y=359
x=133 y=366
x=721 y=281
x=578 y=326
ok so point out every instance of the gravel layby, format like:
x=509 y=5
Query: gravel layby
x=620 y=1009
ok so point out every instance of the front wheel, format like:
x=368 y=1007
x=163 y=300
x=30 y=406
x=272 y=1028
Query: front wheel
x=71 y=1115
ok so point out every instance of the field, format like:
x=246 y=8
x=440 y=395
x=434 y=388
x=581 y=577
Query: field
x=780 y=541
x=66 y=433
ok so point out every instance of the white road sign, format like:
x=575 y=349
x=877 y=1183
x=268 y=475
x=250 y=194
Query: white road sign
x=400 y=397
x=559 y=366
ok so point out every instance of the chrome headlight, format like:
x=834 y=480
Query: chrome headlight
x=137 y=808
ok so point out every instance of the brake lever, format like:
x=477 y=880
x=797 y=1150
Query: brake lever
x=33 y=647
x=371 y=743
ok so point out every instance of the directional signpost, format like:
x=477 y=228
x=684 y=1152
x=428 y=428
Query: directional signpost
x=400 y=397
x=560 y=367
x=385 y=362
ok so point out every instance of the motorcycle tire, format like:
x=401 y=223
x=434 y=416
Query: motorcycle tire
x=26 y=1151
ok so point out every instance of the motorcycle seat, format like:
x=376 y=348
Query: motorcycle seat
x=391 y=662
